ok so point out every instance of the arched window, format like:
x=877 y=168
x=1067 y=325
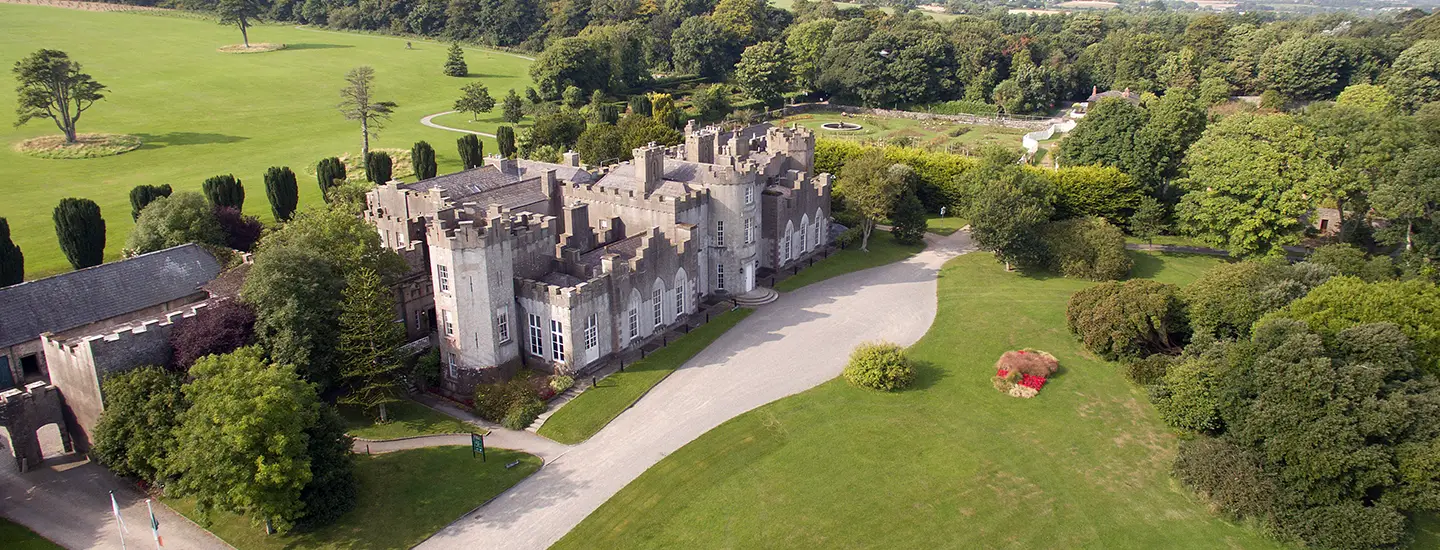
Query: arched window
x=680 y=284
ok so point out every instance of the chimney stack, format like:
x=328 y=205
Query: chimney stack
x=571 y=158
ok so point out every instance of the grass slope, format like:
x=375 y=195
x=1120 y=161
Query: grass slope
x=202 y=112
x=930 y=134
x=405 y=419
x=405 y=496
x=883 y=250
x=589 y=412
x=14 y=536
x=949 y=464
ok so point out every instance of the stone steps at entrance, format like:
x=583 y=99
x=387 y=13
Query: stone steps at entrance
x=758 y=297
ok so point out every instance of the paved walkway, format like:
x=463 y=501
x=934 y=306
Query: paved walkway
x=67 y=500
x=429 y=121
x=792 y=345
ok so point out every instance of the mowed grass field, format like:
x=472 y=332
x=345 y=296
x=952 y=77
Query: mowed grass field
x=936 y=135
x=950 y=463
x=202 y=112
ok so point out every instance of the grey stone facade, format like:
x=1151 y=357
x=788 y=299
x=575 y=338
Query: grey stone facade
x=555 y=267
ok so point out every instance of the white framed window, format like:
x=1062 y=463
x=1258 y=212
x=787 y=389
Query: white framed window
x=659 y=306
x=679 y=300
x=749 y=194
x=592 y=331
x=749 y=231
x=719 y=233
x=785 y=249
x=454 y=370
x=817 y=232
x=502 y=323
x=720 y=276
x=537 y=337
x=420 y=319
x=557 y=341
x=634 y=323
x=802 y=240
x=449 y=322
x=442 y=275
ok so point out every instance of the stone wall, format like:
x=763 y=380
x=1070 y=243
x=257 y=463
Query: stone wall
x=23 y=413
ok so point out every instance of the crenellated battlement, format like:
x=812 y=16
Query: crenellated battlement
x=470 y=226
x=37 y=391
x=119 y=336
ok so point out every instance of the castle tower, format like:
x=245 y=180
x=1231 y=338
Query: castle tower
x=649 y=168
x=700 y=146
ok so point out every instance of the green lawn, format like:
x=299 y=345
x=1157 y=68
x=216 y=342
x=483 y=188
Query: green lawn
x=930 y=134
x=950 y=463
x=405 y=496
x=590 y=411
x=883 y=250
x=14 y=536
x=203 y=113
x=405 y=419
x=944 y=226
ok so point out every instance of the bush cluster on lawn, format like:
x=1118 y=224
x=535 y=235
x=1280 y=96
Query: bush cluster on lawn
x=1127 y=319
x=1309 y=399
x=1022 y=373
x=879 y=366
x=516 y=403
x=1087 y=248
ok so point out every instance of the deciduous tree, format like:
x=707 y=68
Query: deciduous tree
x=870 y=190
x=241 y=231
x=50 y=85
x=181 y=218
x=135 y=436
x=475 y=99
x=1415 y=75
x=358 y=103
x=241 y=446
x=242 y=13
x=81 y=231
x=215 y=330
x=764 y=72
x=1007 y=204
x=513 y=108
x=1149 y=219
x=1133 y=318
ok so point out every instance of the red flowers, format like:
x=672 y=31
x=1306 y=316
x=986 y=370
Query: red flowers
x=1027 y=380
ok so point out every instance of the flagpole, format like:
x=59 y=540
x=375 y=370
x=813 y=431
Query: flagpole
x=119 y=523
x=154 y=524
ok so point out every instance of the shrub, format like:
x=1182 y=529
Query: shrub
x=1087 y=248
x=283 y=191
x=329 y=173
x=427 y=368
x=1127 y=319
x=422 y=158
x=81 y=231
x=1229 y=476
x=909 y=219
x=175 y=220
x=213 y=331
x=848 y=237
x=560 y=383
x=241 y=231
x=1149 y=370
x=472 y=151
x=495 y=402
x=1348 y=525
x=1104 y=192
x=1188 y=398
x=938 y=172
x=1229 y=298
x=522 y=414
x=879 y=366
x=143 y=195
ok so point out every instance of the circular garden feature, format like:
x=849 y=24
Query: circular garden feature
x=85 y=146
x=1021 y=373
x=841 y=126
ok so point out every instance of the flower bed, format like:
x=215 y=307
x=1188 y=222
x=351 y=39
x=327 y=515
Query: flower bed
x=1022 y=373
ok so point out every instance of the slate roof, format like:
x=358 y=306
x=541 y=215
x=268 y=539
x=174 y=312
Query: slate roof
x=563 y=172
x=69 y=300
x=464 y=183
x=627 y=248
x=674 y=183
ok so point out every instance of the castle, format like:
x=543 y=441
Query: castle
x=557 y=267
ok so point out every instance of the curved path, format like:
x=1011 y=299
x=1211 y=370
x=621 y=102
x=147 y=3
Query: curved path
x=429 y=121
x=792 y=345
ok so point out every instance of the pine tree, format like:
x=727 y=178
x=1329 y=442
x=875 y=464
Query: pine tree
x=142 y=195
x=81 y=231
x=472 y=151
x=909 y=218
x=369 y=340
x=329 y=172
x=12 y=261
x=455 y=61
x=505 y=135
x=378 y=166
x=422 y=156
x=283 y=191
x=225 y=190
